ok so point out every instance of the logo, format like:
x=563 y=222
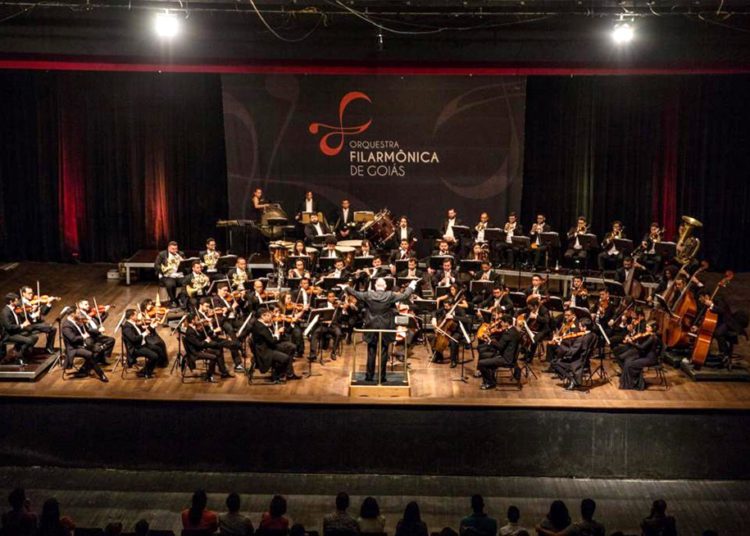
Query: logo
x=340 y=132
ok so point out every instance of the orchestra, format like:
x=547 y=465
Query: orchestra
x=638 y=302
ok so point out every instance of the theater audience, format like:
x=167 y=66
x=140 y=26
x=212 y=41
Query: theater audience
x=512 y=528
x=113 y=529
x=274 y=519
x=198 y=517
x=478 y=523
x=231 y=522
x=50 y=522
x=340 y=521
x=19 y=520
x=141 y=528
x=556 y=520
x=411 y=524
x=369 y=519
x=658 y=523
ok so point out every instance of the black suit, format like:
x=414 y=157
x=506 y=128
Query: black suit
x=311 y=232
x=270 y=353
x=574 y=356
x=643 y=353
x=505 y=352
x=343 y=222
x=301 y=208
x=232 y=276
x=410 y=236
x=197 y=347
x=170 y=283
x=93 y=327
x=460 y=316
x=540 y=249
x=23 y=338
x=507 y=249
x=379 y=314
x=135 y=345
x=78 y=345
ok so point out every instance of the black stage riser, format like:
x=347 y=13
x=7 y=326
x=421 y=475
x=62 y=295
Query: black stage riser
x=376 y=439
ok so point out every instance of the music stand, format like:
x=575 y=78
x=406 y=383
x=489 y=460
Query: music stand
x=588 y=241
x=580 y=312
x=518 y=299
x=520 y=242
x=431 y=234
x=330 y=282
x=326 y=263
x=554 y=303
x=362 y=262
x=442 y=290
x=186 y=265
x=462 y=375
x=666 y=250
x=550 y=240
x=402 y=265
x=481 y=287
x=468 y=265
x=436 y=262
x=224 y=263
x=319 y=241
x=461 y=232
x=293 y=282
x=615 y=288
x=404 y=281
x=623 y=245
x=494 y=234
x=317 y=316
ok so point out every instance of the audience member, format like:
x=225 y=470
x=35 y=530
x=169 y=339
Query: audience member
x=298 y=529
x=274 y=519
x=340 y=521
x=20 y=520
x=141 y=528
x=50 y=522
x=658 y=523
x=411 y=524
x=198 y=517
x=587 y=526
x=478 y=523
x=556 y=520
x=231 y=522
x=370 y=520
x=113 y=529
x=512 y=528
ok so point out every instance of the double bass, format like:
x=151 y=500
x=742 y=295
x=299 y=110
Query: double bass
x=677 y=325
x=708 y=326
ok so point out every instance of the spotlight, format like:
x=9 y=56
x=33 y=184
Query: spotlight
x=623 y=33
x=166 y=25
x=379 y=40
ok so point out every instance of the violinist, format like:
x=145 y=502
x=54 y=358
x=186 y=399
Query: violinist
x=329 y=328
x=166 y=266
x=17 y=327
x=643 y=351
x=539 y=322
x=539 y=249
x=298 y=272
x=576 y=250
x=291 y=319
x=134 y=337
x=537 y=288
x=195 y=286
x=559 y=345
x=217 y=336
x=94 y=325
x=351 y=316
x=579 y=294
x=446 y=322
x=239 y=274
x=209 y=258
x=573 y=357
x=35 y=308
x=507 y=251
x=198 y=345
x=631 y=323
x=504 y=352
x=303 y=297
x=403 y=253
x=610 y=255
x=79 y=343
x=228 y=307
x=150 y=318
x=603 y=311
x=258 y=297
x=269 y=351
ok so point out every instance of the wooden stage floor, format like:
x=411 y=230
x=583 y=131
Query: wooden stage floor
x=432 y=384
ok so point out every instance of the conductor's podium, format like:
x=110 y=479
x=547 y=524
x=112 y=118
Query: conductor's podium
x=398 y=384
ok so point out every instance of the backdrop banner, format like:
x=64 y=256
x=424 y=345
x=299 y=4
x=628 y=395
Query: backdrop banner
x=415 y=145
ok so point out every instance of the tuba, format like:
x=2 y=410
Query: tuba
x=687 y=246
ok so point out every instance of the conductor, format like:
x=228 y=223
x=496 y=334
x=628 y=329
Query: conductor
x=380 y=314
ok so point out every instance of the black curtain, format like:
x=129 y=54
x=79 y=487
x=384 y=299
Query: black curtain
x=639 y=149
x=98 y=165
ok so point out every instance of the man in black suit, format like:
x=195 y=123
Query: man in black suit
x=404 y=231
x=403 y=252
x=498 y=300
x=447 y=231
x=727 y=327
x=199 y=346
x=36 y=317
x=445 y=276
x=309 y=204
x=539 y=321
x=134 y=337
x=239 y=274
x=505 y=350
x=315 y=229
x=17 y=327
x=379 y=314
x=339 y=270
x=344 y=220
x=269 y=352
x=507 y=251
x=95 y=328
x=456 y=337
x=535 y=234
x=329 y=251
x=628 y=274
x=78 y=343
x=166 y=267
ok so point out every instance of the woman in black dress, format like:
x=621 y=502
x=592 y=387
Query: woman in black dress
x=643 y=352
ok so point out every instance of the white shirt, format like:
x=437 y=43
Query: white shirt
x=318 y=228
x=403 y=233
x=480 y=235
x=449 y=228
x=345 y=212
x=509 y=236
x=308 y=205
x=139 y=332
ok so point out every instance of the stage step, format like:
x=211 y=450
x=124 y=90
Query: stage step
x=397 y=387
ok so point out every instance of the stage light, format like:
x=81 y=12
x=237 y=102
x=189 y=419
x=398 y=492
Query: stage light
x=166 y=25
x=623 y=32
x=379 y=40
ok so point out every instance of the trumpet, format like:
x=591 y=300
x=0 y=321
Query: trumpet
x=510 y=227
x=481 y=226
x=536 y=228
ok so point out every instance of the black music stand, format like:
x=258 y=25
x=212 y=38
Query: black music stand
x=362 y=262
x=518 y=299
x=468 y=265
x=554 y=303
x=330 y=282
x=436 y=262
x=224 y=263
x=588 y=241
x=550 y=240
x=476 y=286
x=442 y=290
x=326 y=263
x=461 y=232
x=293 y=282
x=402 y=265
x=494 y=234
x=403 y=281
x=431 y=234
x=317 y=316
x=666 y=250
x=520 y=242
x=623 y=245
x=615 y=288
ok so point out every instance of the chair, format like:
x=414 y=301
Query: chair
x=518 y=382
x=81 y=531
x=62 y=358
x=659 y=371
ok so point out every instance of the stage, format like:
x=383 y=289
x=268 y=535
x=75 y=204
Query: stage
x=314 y=425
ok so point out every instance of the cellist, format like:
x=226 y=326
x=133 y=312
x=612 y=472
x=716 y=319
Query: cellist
x=447 y=331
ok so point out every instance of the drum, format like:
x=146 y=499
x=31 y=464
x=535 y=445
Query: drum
x=348 y=243
x=272 y=221
x=347 y=252
x=279 y=251
x=381 y=229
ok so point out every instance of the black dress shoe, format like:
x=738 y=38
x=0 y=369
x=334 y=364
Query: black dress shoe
x=487 y=386
x=383 y=379
x=333 y=357
x=225 y=375
x=454 y=364
x=81 y=374
x=517 y=373
x=293 y=377
x=103 y=378
x=368 y=378
x=210 y=378
x=312 y=358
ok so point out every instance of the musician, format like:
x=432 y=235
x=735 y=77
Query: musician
x=480 y=227
x=505 y=353
x=79 y=343
x=445 y=276
x=239 y=274
x=411 y=269
x=210 y=258
x=402 y=253
x=684 y=284
x=93 y=323
x=535 y=234
x=344 y=218
x=271 y=353
x=198 y=345
x=292 y=322
x=368 y=275
x=36 y=311
x=404 y=232
x=307 y=205
x=440 y=321
x=298 y=271
x=258 y=204
x=486 y=273
x=365 y=249
x=258 y=296
x=149 y=324
x=643 y=351
x=610 y=255
x=194 y=286
x=629 y=324
x=630 y=274
x=214 y=332
x=498 y=300
x=232 y=319
x=573 y=358
x=339 y=270
x=315 y=229
x=329 y=328
x=447 y=228
x=166 y=266
x=603 y=311
x=506 y=250
x=351 y=316
x=478 y=253
x=304 y=294
x=666 y=280
x=379 y=314
x=579 y=294
x=727 y=329
x=539 y=322
x=538 y=286
x=329 y=252
x=17 y=327
x=575 y=250
x=559 y=345
x=134 y=337
x=649 y=257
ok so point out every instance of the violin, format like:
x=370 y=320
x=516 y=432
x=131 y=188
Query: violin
x=43 y=300
x=94 y=311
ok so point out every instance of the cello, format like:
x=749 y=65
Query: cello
x=708 y=326
x=684 y=311
x=442 y=339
